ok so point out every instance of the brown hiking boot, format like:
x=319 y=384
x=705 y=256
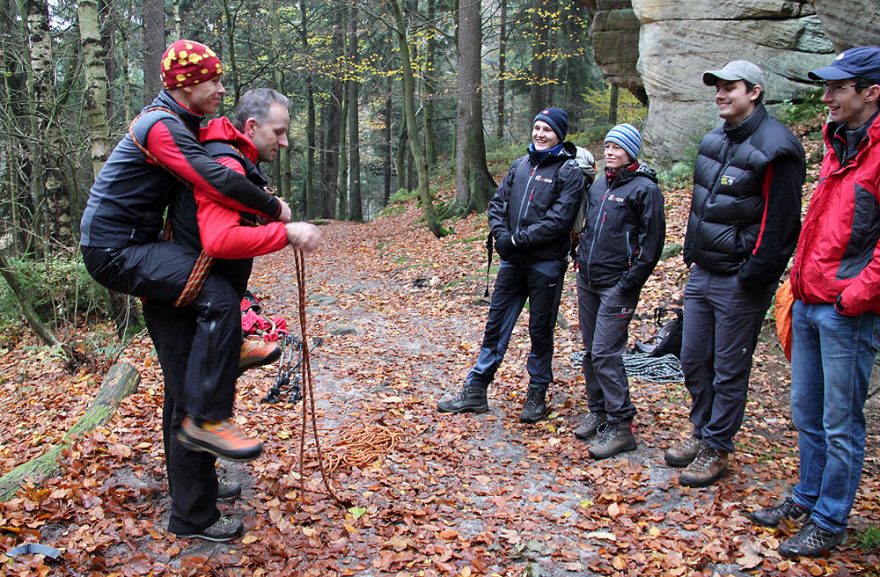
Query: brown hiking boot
x=590 y=425
x=220 y=438
x=684 y=453
x=256 y=354
x=614 y=438
x=709 y=466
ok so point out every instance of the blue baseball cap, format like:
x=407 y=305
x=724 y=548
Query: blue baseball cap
x=858 y=62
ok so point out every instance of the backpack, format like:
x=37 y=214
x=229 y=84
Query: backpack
x=587 y=164
x=667 y=341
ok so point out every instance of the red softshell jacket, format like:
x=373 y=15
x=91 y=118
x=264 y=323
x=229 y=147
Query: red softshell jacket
x=222 y=231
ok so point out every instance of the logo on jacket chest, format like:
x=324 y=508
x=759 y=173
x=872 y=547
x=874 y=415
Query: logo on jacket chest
x=615 y=198
x=539 y=178
x=727 y=180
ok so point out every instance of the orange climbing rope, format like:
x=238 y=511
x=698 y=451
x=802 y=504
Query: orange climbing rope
x=308 y=389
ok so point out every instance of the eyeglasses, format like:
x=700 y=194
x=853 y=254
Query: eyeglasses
x=835 y=88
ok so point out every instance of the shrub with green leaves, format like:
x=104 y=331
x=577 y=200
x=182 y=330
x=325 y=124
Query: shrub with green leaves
x=59 y=289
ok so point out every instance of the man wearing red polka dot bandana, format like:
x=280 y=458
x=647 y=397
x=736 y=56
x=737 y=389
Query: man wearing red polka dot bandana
x=198 y=341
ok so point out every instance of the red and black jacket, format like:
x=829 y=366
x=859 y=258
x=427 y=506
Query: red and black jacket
x=839 y=247
x=225 y=232
x=128 y=200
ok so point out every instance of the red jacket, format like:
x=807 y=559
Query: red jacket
x=838 y=251
x=223 y=233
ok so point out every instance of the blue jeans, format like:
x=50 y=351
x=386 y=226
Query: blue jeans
x=831 y=360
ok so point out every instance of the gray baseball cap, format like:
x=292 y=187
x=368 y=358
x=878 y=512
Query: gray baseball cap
x=735 y=70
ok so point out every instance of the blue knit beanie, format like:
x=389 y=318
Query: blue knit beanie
x=557 y=118
x=627 y=137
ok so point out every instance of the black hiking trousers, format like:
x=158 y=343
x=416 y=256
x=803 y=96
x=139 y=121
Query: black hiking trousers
x=157 y=272
x=192 y=475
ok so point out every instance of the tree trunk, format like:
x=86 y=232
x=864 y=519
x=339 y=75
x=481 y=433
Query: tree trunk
x=538 y=91
x=51 y=206
x=230 y=61
x=355 y=205
x=473 y=183
x=154 y=46
x=412 y=129
x=502 y=69
x=342 y=174
x=401 y=155
x=332 y=123
x=389 y=149
x=95 y=95
x=612 y=105
x=121 y=381
x=312 y=208
x=282 y=161
x=430 y=86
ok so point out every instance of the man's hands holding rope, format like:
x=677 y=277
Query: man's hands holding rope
x=302 y=235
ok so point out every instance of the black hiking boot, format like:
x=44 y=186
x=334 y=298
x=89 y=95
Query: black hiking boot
x=227 y=490
x=614 y=438
x=590 y=425
x=771 y=516
x=811 y=541
x=470 y=399
x=535 y=407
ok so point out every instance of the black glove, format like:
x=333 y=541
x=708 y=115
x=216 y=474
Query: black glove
x=504 y=246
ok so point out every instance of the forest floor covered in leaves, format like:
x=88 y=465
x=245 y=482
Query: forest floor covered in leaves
x=427 y=493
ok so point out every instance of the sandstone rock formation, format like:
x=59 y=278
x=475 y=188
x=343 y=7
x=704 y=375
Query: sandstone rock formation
x=658 y=49
x=678 y=41
x=850 y=23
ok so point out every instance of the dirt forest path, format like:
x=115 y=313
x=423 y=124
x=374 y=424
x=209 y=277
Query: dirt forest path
x=401 y=314
x=485 y=494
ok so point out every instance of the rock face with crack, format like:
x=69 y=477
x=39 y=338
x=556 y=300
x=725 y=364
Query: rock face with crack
x=658 y=49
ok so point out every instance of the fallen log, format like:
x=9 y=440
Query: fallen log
x=120 y=381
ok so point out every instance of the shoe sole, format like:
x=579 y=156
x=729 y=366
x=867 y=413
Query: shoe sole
x=195 y=445
x=600 y=456
x=533 y=421
x=484 y=409
x=699 y=484
x=268 y=360
x=678 y=462
x=212 y=538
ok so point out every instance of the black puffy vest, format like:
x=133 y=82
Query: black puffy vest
x=728 y=199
